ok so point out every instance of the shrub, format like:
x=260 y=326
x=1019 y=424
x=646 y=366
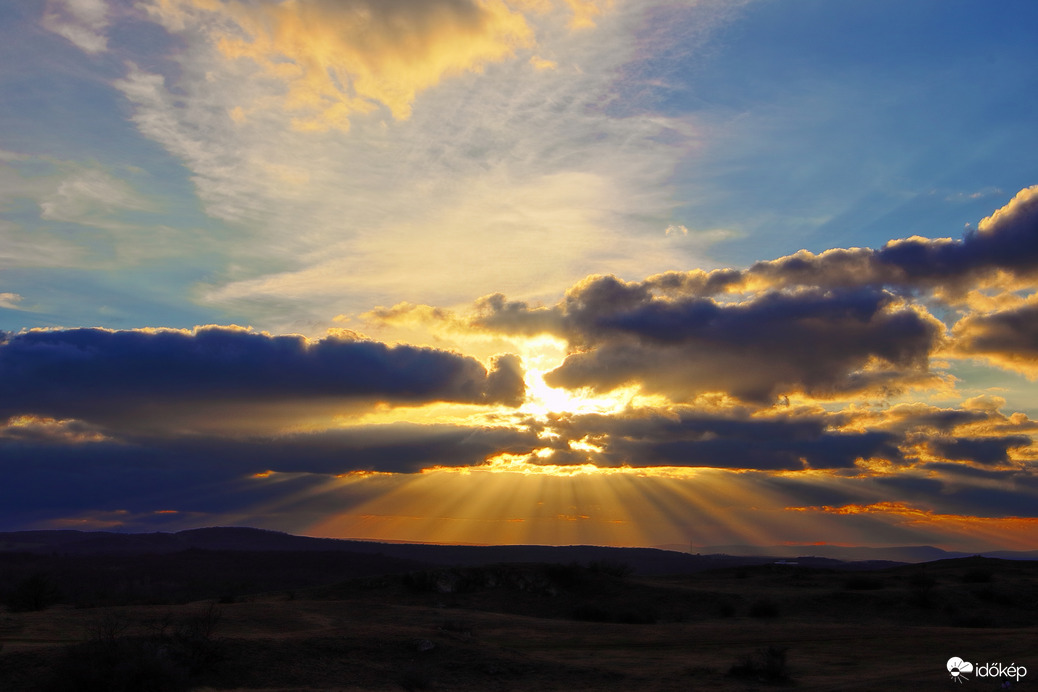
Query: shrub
x=36 y=592
x=415 y=679
x=861 y=582
x=611 y=568
x=977 y=576
x=567 y=576
x=763 y=665
x=163 y=661
x=764 y=608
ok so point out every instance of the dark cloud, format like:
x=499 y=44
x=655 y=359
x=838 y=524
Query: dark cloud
x=1005 y=500
x=795 y=439
x=797 y=490
x=912 y=487
x=211 y=474
x=696 y=439
x=822 y=343
x=981 y=450
x=919 y=417
x=841 y=322
x=395 y=448
x=1006 y=242
x=973 y=473
x=1008 y=338
x=97 y=374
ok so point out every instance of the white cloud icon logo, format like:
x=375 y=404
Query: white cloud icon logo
x=956 y=666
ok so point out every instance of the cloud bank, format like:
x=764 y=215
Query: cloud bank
x=100 y=375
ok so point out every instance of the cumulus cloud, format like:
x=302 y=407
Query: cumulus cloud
x=982 y=450
x=865 y=442
x=97 y=374
x=1001 y=252
x=735 y=439
x=847 y=321
x=816 y=342
x=1007 y=338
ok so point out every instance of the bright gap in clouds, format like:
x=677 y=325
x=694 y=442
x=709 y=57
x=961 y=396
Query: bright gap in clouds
x=542 y=355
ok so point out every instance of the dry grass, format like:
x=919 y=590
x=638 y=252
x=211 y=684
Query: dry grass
x=383 y=636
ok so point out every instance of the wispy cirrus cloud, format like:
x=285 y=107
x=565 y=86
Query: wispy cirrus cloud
x=83 y=22
x=10 y=301
x=338 y=59
x=439 y=164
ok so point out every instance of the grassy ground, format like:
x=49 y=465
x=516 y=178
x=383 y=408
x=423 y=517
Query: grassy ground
x=539 y=628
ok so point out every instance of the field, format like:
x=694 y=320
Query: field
x=552 y=627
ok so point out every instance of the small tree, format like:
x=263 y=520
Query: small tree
x=35 y=592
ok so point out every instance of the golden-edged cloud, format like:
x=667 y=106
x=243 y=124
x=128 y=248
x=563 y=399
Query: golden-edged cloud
x=338 y=58
x=220 y=376
x=822 y=343
x=1007 y=338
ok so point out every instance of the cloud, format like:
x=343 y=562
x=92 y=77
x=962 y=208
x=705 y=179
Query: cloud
x=846 y=322
x=1007 y=338
x=735 y=439
x=1001 y=252
x=10 y=301
x=585 y=12
x=876 y=441
x=540 y=63
x=80 y=21
x=65 y=468
x=90 y=196
x=984 y=450
x=136 y=377
x=87 y=215
x=50 y=431
x=327 y=222
x=820 y=343
x=341 y=57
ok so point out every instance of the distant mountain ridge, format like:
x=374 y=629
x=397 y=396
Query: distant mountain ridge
x=915 y=553
x=67 y=542
x=657 y=560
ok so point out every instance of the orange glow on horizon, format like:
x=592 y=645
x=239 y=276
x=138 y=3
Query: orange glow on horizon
x=1015 y=533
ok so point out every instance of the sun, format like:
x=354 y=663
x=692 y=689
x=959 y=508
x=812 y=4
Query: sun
x=541 y=355
x=542 y=400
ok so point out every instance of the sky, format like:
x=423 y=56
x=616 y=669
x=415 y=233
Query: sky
x=603 y=272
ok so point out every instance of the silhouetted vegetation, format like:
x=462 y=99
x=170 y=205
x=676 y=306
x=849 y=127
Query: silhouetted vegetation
x=35 y=592
x=612 y=568
x=165 y=659
x=415 y=679
x=521 y=626
x=764 y=608
x=861 y=582
x=766 y=665
x=921 y=586
x=977 y=576
x=625 y=616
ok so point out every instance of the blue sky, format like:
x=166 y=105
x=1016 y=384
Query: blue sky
x=367 y=179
